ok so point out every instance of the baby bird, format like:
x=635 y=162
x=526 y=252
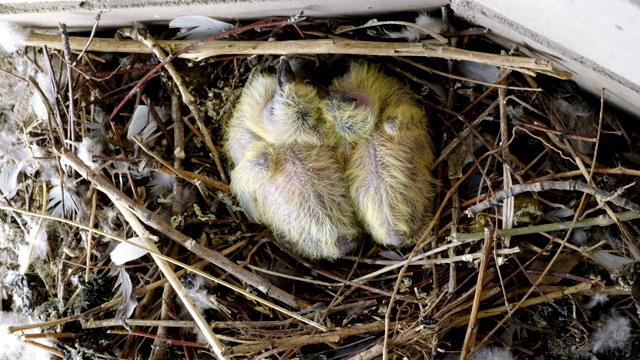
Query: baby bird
x=271 y=111
x=354 y=104
x=385 y=144
x=281 y=109
x=285 y=176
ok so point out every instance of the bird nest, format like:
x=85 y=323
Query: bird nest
x=122 y=238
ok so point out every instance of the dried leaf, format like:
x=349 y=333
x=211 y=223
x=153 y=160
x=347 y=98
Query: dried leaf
x=564 y=264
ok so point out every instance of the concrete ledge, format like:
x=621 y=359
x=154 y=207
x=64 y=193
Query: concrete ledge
x=596 y=40
x=118 y=13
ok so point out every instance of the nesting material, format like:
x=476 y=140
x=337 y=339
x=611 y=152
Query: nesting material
x=241 y=176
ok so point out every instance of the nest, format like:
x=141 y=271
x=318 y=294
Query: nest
x=127 y=149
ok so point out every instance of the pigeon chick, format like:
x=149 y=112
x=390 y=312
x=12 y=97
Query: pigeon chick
x=272 y=110
x=306 y=201
x=285 y=176
x=281 y=109
x=384 y=139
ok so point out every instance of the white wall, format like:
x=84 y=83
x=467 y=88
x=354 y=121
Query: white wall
x=597 y=40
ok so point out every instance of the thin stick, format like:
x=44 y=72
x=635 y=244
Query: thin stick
x=462 y=78
x=168 y=259
x=302 y=47
x=508 y=205
x=152 y=219
x=568 y=185
x=536 y=229
x=472 y=327
x=92 y=220
x=173 y=279
x=93 y=33
x=579 y=288
x=49 y=349
x=142 y=35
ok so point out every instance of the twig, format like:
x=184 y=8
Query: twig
x=152 y=219
x=462 y=78
x=328 y=337
x=142 y=35
x=302 y=47
x=93 y=33
x=508 y=205
x=472 y=326
x=439 y=261
x=568 y=185
x=519 y=122
x=159 y=338
x=93 y=324
x=156 y=117
x=49 y=349
x=92 y=219
x=71 y=129
x=167 y=271
x=536 y=229
x=581 y=287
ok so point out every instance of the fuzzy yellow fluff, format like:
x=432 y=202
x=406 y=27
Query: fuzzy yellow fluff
x=285 y=176
x=388 y=161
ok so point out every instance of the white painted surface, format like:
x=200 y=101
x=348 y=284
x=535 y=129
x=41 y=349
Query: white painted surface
x=117 y=13
x=596 y=40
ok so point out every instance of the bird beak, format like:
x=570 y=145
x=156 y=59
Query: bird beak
x=321 y=90
x=285 y=73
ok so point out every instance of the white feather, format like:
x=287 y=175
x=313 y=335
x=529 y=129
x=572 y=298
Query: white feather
x=71 y=205
x=127 y=303
x=579 y=237
x=37 y=246
x=197 y=290
x=15 y=89
x=492 y=353
x=9 y=179
x=611 y=262
x=123 y=252
x=578 y=118
x=10 y=345
x=612 y=334
x=142 y=122
x=415 y=34
x=37 y=102
x=12 y=37
x=160 y=181
x=11 y=148
x=597 y=299
x=87 y=148
x=480 y=72
x=198 y=27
